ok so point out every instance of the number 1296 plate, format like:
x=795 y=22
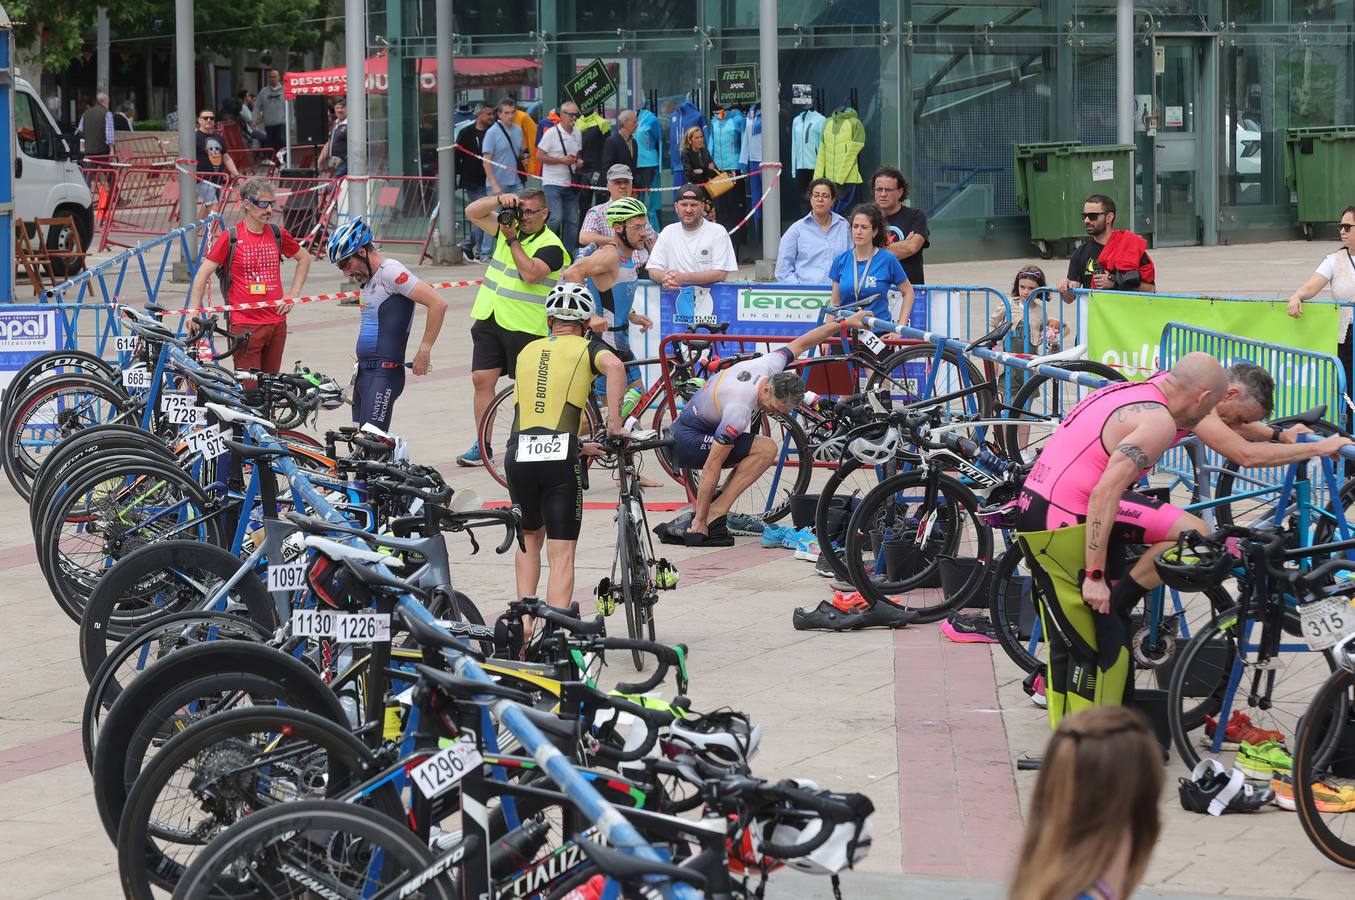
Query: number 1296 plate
x=437 y=774
x=1327 y=621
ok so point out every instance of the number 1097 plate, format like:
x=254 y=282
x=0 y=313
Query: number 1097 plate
x=1327 y=621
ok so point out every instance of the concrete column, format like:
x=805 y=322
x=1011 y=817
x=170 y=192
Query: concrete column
x=101 y=43
x=447 y=250
x=355 y=51
x=771 y=129
x=1124 y=71
x=186 y=75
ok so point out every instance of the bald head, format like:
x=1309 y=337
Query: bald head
x=1193 y=387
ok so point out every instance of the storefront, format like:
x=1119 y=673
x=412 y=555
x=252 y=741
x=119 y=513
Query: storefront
x=945 y=89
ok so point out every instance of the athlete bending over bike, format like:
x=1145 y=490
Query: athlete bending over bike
x=712 y=434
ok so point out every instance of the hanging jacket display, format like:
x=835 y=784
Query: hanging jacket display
x=750 y=157
x=682 y=118
x=806 y=133
x=843 y=139
x=648 y=140
x=726 y=139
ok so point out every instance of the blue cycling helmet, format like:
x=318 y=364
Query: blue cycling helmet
x=348 y=239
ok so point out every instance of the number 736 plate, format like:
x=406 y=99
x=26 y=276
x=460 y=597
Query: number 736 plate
x=1327 y=621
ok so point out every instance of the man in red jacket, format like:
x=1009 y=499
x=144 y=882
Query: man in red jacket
x=1108 y=260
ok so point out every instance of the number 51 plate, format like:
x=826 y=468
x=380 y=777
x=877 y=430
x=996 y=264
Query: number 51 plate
x=1327 y=621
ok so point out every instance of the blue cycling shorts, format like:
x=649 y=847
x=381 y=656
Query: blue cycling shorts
x=375 y=392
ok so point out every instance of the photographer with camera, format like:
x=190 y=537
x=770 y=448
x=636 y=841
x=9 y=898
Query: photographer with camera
x=510 y=309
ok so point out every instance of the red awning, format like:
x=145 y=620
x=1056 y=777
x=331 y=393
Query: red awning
x=470 y=73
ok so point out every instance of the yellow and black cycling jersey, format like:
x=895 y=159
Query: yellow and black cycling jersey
x=554 y=377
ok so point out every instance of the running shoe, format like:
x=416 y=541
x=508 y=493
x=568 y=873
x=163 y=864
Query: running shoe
x=1034 y=686
x=838 y=584
x=772 y=534
x=850 y=602
x=471 y=457
x=803 y=542
x=969 y=629
x=1326 y=797
x=821 y=567
x=1261 y=761
x=1210 y=789
x=745 y=525
x=1240 y=728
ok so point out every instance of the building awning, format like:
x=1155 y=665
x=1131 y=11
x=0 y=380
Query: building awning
x=471 y=72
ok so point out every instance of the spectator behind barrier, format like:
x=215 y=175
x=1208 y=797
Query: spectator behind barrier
x=1337 y=270
x=810 y=245
x=1110 y=260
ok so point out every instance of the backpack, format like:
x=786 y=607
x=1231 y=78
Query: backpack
x=223 y=272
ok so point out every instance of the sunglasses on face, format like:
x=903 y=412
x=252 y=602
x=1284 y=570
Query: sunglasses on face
x=1092 y=216
x=1345 y=226
x=572 y=115
x=261 y=204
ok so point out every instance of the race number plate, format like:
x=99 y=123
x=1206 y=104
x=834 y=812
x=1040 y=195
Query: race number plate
x=344 y=628
x=208 y=442
x=288 y=576
x=542 y=447
x=1327 y=621
x=872 y=342
x=126 y=343
x=180 y=409
x=137 y=377
x=441 y=771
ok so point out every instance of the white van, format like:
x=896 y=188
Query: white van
x=47 y=180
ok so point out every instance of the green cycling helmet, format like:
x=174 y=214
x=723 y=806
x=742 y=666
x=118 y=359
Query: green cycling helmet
x=625 y=209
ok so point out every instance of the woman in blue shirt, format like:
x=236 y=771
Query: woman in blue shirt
x=867 y=271
x=810 y=245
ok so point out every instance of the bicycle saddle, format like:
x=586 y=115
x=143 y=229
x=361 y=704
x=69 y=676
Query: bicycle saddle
x=1312 y=416
x=725 y=362
x=992 y=338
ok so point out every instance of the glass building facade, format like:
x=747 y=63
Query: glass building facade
x=946 y=89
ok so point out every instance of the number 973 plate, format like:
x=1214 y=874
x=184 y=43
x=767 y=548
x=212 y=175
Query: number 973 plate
x=1327 y=621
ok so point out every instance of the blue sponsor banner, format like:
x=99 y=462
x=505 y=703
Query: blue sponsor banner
x=770 y=310
x=26 y=332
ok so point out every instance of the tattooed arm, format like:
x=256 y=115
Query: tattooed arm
x=1138 y=445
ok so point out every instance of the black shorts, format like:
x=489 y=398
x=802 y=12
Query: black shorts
x=550 y=492
x=692 y=446
x=496 y=347
x=374 y=394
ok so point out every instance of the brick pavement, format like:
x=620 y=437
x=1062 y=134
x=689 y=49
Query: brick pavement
x=926 y=728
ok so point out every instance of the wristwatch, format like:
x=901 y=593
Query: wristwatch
x=1277 y=433
x=1094 y=575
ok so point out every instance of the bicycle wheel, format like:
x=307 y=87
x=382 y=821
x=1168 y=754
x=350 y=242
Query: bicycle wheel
x=217 y=772
x=120 y=510
x=147 y=646
x=634 y=570
x=1265 y=483
x=496 y=428
x=898 y=534
x=1324 y=769
x=1216 y=676
x=92 y=443
x=1044 y=397
x=1014 y=611
x=768 y=498
x=914 y=375
x=50 y=412
x=838 y=497
x=54 y=364
x=184 y=688
x=312 y=848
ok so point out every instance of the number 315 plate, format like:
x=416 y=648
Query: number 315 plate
x=1327 y=621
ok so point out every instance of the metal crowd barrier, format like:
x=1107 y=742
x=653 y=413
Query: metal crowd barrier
x=143 y=203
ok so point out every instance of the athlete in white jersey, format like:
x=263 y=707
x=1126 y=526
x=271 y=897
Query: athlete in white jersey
x=712 y=432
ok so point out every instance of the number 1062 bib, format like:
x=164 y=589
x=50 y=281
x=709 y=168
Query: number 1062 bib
x=542 y=447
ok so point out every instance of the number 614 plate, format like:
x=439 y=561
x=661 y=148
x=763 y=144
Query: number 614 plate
x=1327 y=621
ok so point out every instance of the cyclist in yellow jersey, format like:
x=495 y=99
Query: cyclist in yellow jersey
x=554 y=378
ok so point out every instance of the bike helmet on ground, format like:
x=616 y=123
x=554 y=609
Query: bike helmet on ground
x=1194 y=566
x=569 y=301
x=788 y=825
x=348 y=239
x=876 y=451
x=625 y=209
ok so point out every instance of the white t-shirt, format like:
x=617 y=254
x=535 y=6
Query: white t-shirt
x=706 y=248
x=557 y=142
x=1339 y=270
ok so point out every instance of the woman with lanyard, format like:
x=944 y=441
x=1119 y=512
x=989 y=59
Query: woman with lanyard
x=867 y=272
x=1338 y=270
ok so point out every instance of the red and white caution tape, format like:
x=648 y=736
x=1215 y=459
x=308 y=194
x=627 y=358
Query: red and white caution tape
x=292 y=301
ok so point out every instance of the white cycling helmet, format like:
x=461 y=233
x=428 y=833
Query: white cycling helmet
x=846 y=846
x=876 y=451
x=724 y=737
x=569 y=301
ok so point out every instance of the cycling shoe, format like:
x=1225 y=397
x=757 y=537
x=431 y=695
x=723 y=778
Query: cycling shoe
x=826 y=617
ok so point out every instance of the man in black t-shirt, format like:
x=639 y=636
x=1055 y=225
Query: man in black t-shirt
x=470 y=177
x=908 y=234
x=214 y=163
x=1086 y=269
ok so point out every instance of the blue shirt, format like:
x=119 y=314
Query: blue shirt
x=807 y=252
x=498 y=147
x=871 y=280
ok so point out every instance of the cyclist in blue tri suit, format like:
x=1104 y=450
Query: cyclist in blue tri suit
x=389 y=294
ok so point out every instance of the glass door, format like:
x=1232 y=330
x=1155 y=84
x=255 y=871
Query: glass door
x=1178 y=151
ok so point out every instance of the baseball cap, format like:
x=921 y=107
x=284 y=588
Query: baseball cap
x=690 y=192
x=619 y=172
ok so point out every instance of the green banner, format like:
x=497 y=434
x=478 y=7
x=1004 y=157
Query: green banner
x=1125 y=331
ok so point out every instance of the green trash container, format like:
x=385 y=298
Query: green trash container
x=1052 y=181
x=1319 y=166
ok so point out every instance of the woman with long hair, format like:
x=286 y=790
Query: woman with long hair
x=1095 y=817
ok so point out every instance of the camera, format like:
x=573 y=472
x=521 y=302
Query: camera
x=510 y=216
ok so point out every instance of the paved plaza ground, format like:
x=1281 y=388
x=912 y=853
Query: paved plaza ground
x=928 y=729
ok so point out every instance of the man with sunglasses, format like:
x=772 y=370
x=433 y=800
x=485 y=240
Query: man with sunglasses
x=214 y=163
x=558 y=151
x=1108 y=260
x=250 y=259
x=510 y=309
